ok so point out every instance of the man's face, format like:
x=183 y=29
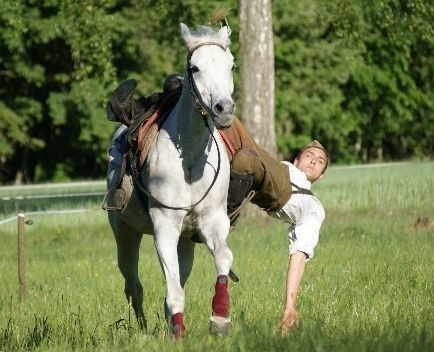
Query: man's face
x=312 y=162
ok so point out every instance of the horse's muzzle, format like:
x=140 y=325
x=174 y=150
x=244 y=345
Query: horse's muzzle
x=222 y=112
x=223 y=106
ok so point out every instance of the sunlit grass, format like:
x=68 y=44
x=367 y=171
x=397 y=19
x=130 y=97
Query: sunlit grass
x=369 y=287
x=384 y=186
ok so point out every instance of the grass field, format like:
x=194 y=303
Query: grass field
x=369 y=287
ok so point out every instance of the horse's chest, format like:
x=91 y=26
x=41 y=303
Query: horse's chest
x=178 y=170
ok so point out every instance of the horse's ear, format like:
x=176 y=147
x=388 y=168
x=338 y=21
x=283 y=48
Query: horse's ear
x=224 y=34
x=185 y=32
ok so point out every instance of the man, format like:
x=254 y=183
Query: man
x=307 y=215
x=282 y=189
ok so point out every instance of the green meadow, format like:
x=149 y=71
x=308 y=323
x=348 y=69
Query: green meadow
x=368 y=288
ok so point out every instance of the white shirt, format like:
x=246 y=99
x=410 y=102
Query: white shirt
x=304 y=212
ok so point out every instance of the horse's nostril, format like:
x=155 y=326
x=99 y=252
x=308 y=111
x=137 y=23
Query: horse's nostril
x=224 y=106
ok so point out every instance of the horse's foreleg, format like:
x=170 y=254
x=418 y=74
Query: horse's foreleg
x=128 y=245
x=215 y=234
x=220 y=322
x=185 y=259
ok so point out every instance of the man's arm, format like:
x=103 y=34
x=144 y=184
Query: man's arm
x=294 y=276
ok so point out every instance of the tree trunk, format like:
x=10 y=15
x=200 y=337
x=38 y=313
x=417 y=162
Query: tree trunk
x=257 y=71
x=257 y=79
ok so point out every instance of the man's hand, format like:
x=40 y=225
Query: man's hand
x=288 y=321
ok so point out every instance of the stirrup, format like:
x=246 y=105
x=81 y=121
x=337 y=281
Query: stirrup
x=233 y=216
x=117 y=196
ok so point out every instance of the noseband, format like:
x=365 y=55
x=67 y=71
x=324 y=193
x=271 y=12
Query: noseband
x=197 y=97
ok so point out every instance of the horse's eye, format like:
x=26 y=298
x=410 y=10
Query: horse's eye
x=233 y=67
x=194 y=69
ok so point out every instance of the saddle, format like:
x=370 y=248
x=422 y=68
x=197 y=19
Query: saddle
x=144 y=118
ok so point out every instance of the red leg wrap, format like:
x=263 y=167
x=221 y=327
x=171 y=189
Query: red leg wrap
x=220 y=301
x=178 y=325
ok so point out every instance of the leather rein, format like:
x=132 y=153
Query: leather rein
x=197 y=97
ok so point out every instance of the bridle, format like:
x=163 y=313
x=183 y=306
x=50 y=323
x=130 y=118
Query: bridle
x=197 y=97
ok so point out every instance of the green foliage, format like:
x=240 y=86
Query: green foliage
x=351 y=75
x=384 y=90
x=368 y=288
x=356 y=75
x=59 y=63
x=56 y=60
x=9 y=130
x=312 y=63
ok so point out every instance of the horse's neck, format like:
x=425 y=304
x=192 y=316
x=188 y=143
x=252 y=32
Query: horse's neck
x=192 y=133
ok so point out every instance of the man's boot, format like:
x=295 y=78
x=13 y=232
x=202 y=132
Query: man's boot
x=120 y=107
x=239 y=187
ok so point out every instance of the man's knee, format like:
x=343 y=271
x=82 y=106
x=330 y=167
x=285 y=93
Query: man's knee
x=246 y=161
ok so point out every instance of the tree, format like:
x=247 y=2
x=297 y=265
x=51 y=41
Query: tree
x=59 y=63
x=56 y=62
x=257 y=71
x=357 y=75
x=312 y=63
x=390 y=89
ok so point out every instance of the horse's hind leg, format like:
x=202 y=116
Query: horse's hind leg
x=128 y=245
x=185 y=259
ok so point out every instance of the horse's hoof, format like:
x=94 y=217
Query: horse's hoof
x=219 y=326
x=178 y=328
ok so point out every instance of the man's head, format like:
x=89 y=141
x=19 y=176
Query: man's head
x=312 y=160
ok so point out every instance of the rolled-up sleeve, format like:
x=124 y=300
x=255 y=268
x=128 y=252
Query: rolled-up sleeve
x=304 y=235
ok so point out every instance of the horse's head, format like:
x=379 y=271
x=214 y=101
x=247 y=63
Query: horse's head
x=209 y=71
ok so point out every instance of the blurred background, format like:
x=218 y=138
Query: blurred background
x=355 y=74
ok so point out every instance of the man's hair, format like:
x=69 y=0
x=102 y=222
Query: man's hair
x=315 y=144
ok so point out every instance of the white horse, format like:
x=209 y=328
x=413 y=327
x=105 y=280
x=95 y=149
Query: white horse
x=186 y=177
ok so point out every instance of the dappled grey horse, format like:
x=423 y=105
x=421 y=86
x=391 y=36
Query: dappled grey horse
x=185 y=181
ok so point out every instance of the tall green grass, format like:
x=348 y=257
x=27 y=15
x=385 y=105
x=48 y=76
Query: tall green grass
x=368 y=288
x=384 y=186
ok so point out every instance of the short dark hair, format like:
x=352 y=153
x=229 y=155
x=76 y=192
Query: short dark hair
x=318 y=145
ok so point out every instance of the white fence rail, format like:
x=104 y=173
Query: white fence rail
x=47 y=212
x=9 y=193
x=55 y=185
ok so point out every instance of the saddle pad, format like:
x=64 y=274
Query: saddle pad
x=149 y=130
x=147 y=134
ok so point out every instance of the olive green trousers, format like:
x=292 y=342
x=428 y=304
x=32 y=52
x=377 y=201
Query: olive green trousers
x=270 y=177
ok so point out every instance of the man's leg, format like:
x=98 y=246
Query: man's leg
x=268 y=177
x=246 y=174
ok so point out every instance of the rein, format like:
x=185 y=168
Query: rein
x=197 y=97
